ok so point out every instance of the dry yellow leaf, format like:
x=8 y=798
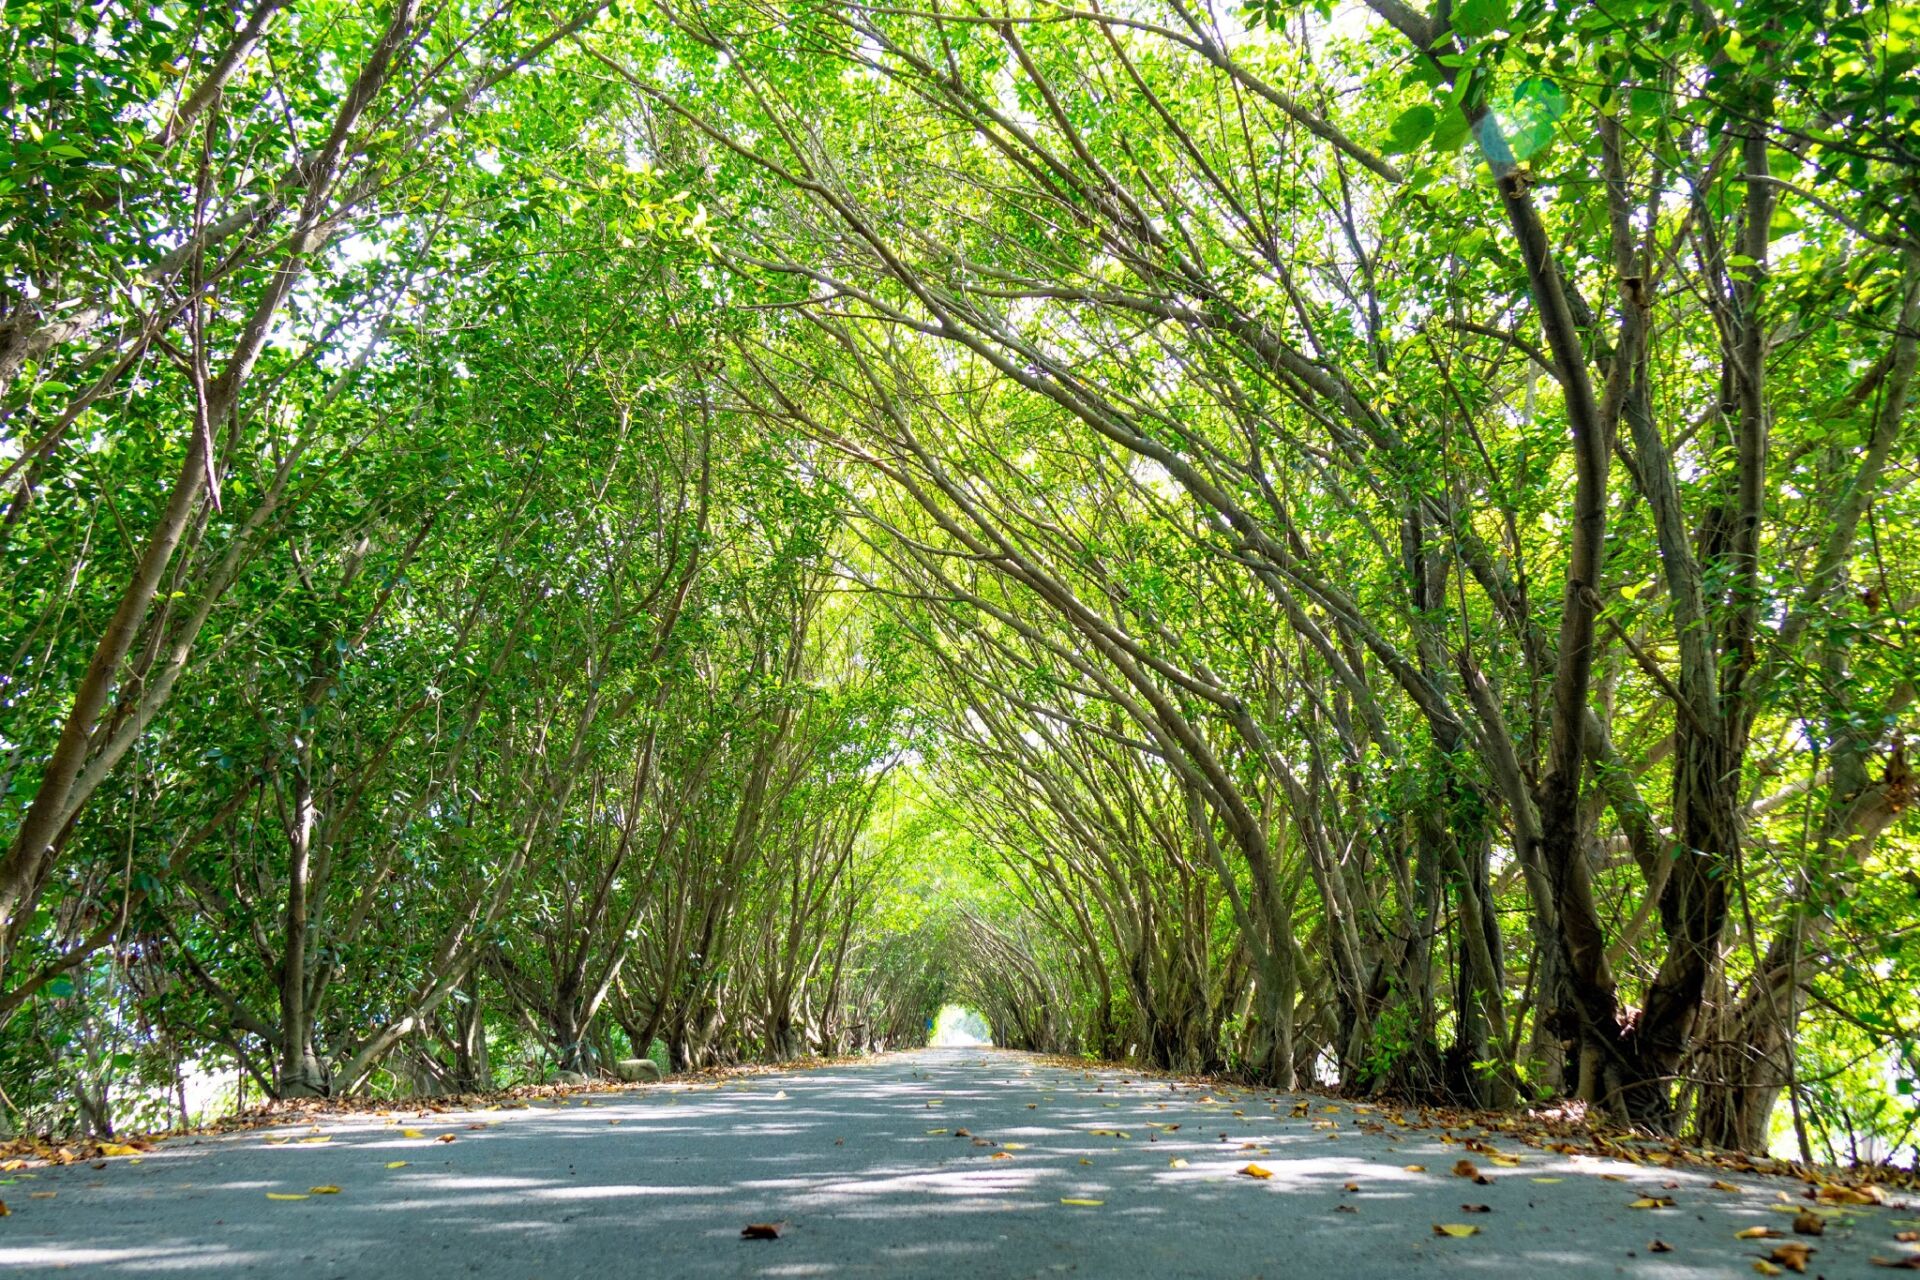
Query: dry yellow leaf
x=1756 y=1233
x=1458 y=1230
x=1001 y=1155
x=1766 y=1268
x=1719 y=1185
x=1176 y=1163
x=318 y=1138
x=1254 y=1171
x=118 y=1149
x=412 y=1133
x=1506 y=1162
x=1792 y=1256
x=1088 y=1204
x=1415 y=1168
x=936 y=1131
x=286 y=1195
x=328 y=1190
x=1652 y=1202
x=396 y=1164
x=1546 y=1179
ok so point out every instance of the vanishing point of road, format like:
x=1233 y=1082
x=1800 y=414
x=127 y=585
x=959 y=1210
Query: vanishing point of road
x=865 y=1171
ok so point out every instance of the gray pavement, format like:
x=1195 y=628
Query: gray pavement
x=862 y=1167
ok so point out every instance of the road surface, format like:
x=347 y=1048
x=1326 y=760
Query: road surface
x=1094 y=1174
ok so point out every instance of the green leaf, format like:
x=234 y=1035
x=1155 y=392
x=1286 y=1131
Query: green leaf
x=1450 y=131
x=1412 y=127
x=1476 y=18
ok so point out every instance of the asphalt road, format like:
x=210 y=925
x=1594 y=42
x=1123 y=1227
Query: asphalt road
x=862 y=1168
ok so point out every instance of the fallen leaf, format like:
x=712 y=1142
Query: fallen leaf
x=762 y=1230
x=118 y=1149
x=1415 y=1168
x=1014 y=1146
x=1756 y=1233
x=1001 y=1155
x=328 y=1190
x=1718 y=1185
x=1176 y=1163
x=1476 y=1208
x=1458 y=1230
x=1791 y=1256
x=396 y=1164
x=1351 y=1186
x=4 y=1211
x=1084 y=1160
x=1906 y=1262
x=963 y=1133
x=1546 y=1179
x=1506 y=1162
x=1659 y=1246
x=324 y=1137
x=936 y=1131
x=445 y=1137
x=1766 y=1268
x=1809 y=1224
x=1652 y=1202
x=286 y=1195
x=409 y=1133
x=1085 y=1204
x=1465 y=1169
x=1254 y=1171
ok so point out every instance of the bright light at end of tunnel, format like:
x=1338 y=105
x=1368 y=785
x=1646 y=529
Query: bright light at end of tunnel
x=958 y=1027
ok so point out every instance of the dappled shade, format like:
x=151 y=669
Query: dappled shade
x=1352 y=545
x=865 y=1172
